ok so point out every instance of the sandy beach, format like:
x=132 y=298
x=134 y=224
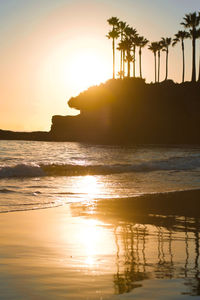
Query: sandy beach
x=76 y=252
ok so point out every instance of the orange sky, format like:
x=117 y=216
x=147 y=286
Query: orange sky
x=52 y=51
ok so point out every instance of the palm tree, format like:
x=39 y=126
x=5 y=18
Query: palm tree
x=142 y=43
x=122 y=47
x=114 y=22
x=129 y=57
x=137 y=42
x=113 y=34
x=134 y=42
x=130 y=33
x=154 y=48
x=121 y=27
x=198 y=36
x=159 y=47
x=192 y=21
x=180 y=36
x=166 y=42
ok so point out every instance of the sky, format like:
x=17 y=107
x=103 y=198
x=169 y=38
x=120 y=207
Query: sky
x=51 y=50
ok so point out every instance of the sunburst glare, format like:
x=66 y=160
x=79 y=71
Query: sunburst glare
x=88 y=68
x=89 y=186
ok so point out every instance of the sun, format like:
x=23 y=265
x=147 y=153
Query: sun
x=88 y=68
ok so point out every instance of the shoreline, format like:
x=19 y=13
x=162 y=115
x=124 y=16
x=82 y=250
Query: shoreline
x=146 y=203
x=148 y=206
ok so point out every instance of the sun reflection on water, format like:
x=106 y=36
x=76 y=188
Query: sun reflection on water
x=89 y=185
x=91 y=237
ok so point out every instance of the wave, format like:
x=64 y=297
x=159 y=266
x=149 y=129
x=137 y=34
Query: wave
x=34 y=170
x=21 y=170
x=172 y=164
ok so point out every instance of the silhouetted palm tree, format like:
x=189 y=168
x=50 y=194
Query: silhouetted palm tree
x=134 y=42
x=122 y=47
x=142 y=43
x=154 y=48
x=129 y=35
x=137 y=41
x=129 y=57
x=166 y=42
x=159 y=47
x=192 y=21
x=121 y=27
x=180 y=37
x=198 y=36
x=132 y=34
x=113 y=34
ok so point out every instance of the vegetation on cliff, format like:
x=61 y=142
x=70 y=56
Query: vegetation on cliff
x=130 y=42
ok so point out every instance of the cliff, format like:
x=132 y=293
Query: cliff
x=127 y=111
x=131 y=111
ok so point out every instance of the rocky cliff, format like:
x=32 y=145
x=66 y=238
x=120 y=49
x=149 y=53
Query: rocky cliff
x=131 y=111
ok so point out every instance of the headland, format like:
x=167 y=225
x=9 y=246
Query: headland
x=127 y=111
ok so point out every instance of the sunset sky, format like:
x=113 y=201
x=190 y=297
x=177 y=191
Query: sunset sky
x=52 y=49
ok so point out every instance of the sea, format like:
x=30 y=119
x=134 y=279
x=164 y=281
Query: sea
x=36 y=175
x=68 y=230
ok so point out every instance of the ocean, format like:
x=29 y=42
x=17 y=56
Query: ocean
x=72 y=228
x=36 y=175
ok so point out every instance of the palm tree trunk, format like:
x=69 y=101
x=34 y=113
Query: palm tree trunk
x=128 y=65
x=123 y=63
x=140 y=55
x=193 y=57
x=133 y=60
x=158 y=66
x=155 y=67
x=183 y=52
x=113 y=58
x=199 y=70
x=121 y=60
x=166 y=76
x=129 y=68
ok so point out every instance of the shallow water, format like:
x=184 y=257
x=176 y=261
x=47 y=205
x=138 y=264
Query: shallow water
x=71 y=253
x=41 y=174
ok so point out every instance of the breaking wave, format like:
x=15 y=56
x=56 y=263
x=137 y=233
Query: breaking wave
x=21 y=170
x=34 y=170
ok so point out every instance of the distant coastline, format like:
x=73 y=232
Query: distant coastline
x=127 y=111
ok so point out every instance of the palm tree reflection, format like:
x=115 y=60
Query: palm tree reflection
x=152 y=247
x=135 y=262
x=128 y=275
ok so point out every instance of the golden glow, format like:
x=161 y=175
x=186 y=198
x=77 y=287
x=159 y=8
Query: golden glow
x=63 y=50
x=87 y=68
x=89 y=185
x=91 y=237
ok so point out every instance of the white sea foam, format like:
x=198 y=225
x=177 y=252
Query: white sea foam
x=35 y=170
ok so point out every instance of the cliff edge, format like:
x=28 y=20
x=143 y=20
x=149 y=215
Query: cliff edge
x=131 y=111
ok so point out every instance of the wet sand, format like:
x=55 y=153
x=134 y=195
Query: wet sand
x=97 y=250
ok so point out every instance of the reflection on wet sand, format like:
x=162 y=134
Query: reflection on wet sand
x=149 y=246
